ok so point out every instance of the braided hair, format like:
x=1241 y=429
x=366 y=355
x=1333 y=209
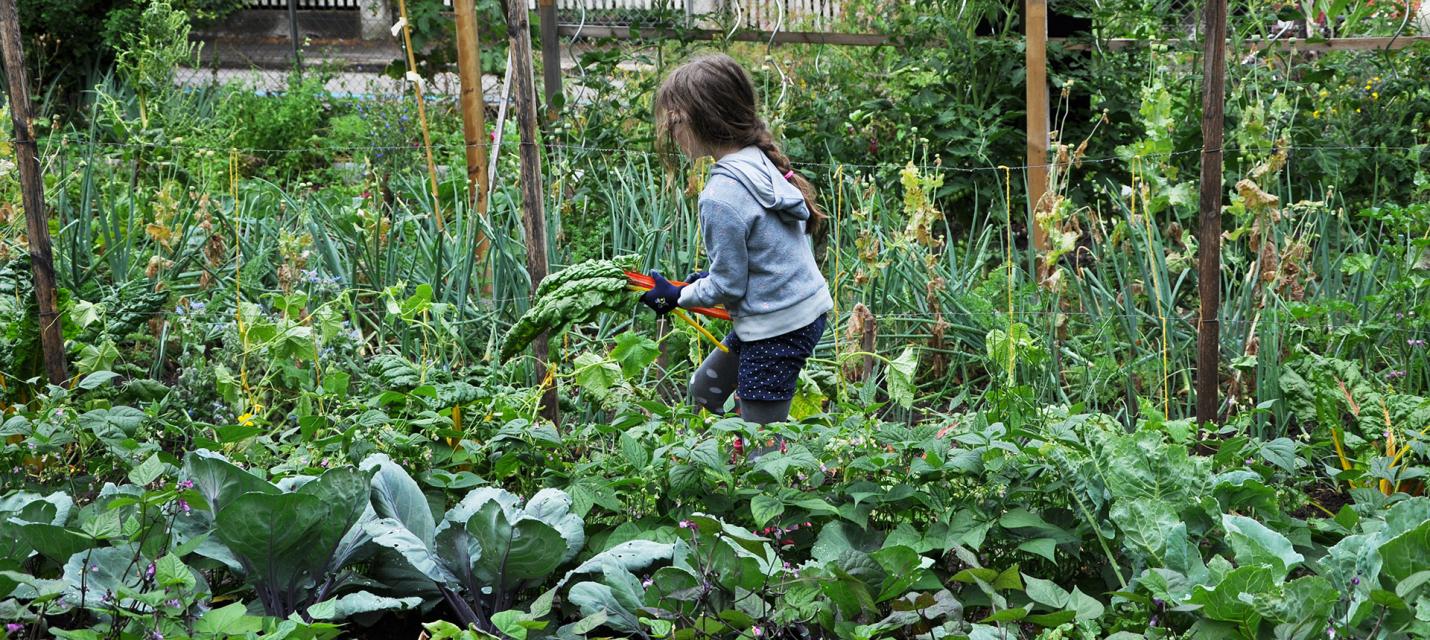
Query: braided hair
x=714 y=97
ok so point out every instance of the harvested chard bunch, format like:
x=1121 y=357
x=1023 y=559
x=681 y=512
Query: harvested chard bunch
x=575 y=294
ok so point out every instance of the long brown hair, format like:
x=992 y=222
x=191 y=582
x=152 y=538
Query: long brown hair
x=714 y=96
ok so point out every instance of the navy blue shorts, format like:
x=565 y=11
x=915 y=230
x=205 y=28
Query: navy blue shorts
x=769 y=368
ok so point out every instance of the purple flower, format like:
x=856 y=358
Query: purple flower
x=150 y=571
x=174 y=603
x=1395 y=374
x=184 y=506
x=687 y=524
x=1355 y=582
x=156 y=636
x=186 y=484
x=757 y=631
x=645 y=584
x=14 y=627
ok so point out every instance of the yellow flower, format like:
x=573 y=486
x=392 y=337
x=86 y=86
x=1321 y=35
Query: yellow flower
x=1375 y=95
x=1357 y=109
x=1316 y=114
x=1324 y=93
x=245 y=419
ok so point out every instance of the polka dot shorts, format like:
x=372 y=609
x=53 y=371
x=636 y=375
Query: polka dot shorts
x=769 y=368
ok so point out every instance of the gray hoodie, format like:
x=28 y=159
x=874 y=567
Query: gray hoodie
x=762 y=264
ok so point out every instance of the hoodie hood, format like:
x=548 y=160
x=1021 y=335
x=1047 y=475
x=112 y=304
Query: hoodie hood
x=754 y=171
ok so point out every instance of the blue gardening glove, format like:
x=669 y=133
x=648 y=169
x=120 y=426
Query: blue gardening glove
x=663 y=297
x=696 y=276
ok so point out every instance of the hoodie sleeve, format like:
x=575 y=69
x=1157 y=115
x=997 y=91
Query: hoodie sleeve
x=724 y=232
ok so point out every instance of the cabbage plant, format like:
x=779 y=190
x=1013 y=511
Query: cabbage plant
x=293 y=542
x=481 y=552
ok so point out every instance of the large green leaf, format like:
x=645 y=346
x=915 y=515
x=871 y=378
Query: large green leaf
x=55 y=543
x=106 y=571
x=765 y=507
x=512 y=552
x=359 y=602
x=1407 y=553
x=597 y=375
x=1253 y=543
x=219 y=481
x=593 y=597
x=1182 y=555
x=1230 y=600
x=1143 y=465
x=115 y=423
x=1301 y=606
x=635 y=352
x=1086 y=606
x=344 y=495
x=1045 y=592
x=463 y=511
x=232 y=620
x=396 y=495
x=390 y=533
x=836 y=538
x=632 y=555
x=273 y=536
x=900 y=377
x=553 y=507
x=1145 y=524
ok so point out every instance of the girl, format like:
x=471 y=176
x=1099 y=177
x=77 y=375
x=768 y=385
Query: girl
x=756 y=216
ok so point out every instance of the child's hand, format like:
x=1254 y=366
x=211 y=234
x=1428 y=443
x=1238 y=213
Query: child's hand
x=663 y=297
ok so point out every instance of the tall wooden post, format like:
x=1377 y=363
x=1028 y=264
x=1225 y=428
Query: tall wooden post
x=474 y=121
x=550 y=58
x=293 y=35
x=1035 y=25
x=532 y=193
x=1209 y=218
x=32 y=195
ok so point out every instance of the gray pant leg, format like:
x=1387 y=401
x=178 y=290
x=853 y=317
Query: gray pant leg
x=765 y=412
x=714 y=381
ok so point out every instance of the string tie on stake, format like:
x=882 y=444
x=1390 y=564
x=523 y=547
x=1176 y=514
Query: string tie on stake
x=789 y=175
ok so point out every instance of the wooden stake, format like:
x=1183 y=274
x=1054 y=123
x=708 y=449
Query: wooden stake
x=550 y=58
x=474 y=122
x=293 y=35
x=1209 y=218
x=421 y=113
x=532 y=193
x=1035 y=23
x=32 y=195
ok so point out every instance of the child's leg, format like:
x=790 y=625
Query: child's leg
x=715 y=380
x=769 y=373
x=764 y=412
